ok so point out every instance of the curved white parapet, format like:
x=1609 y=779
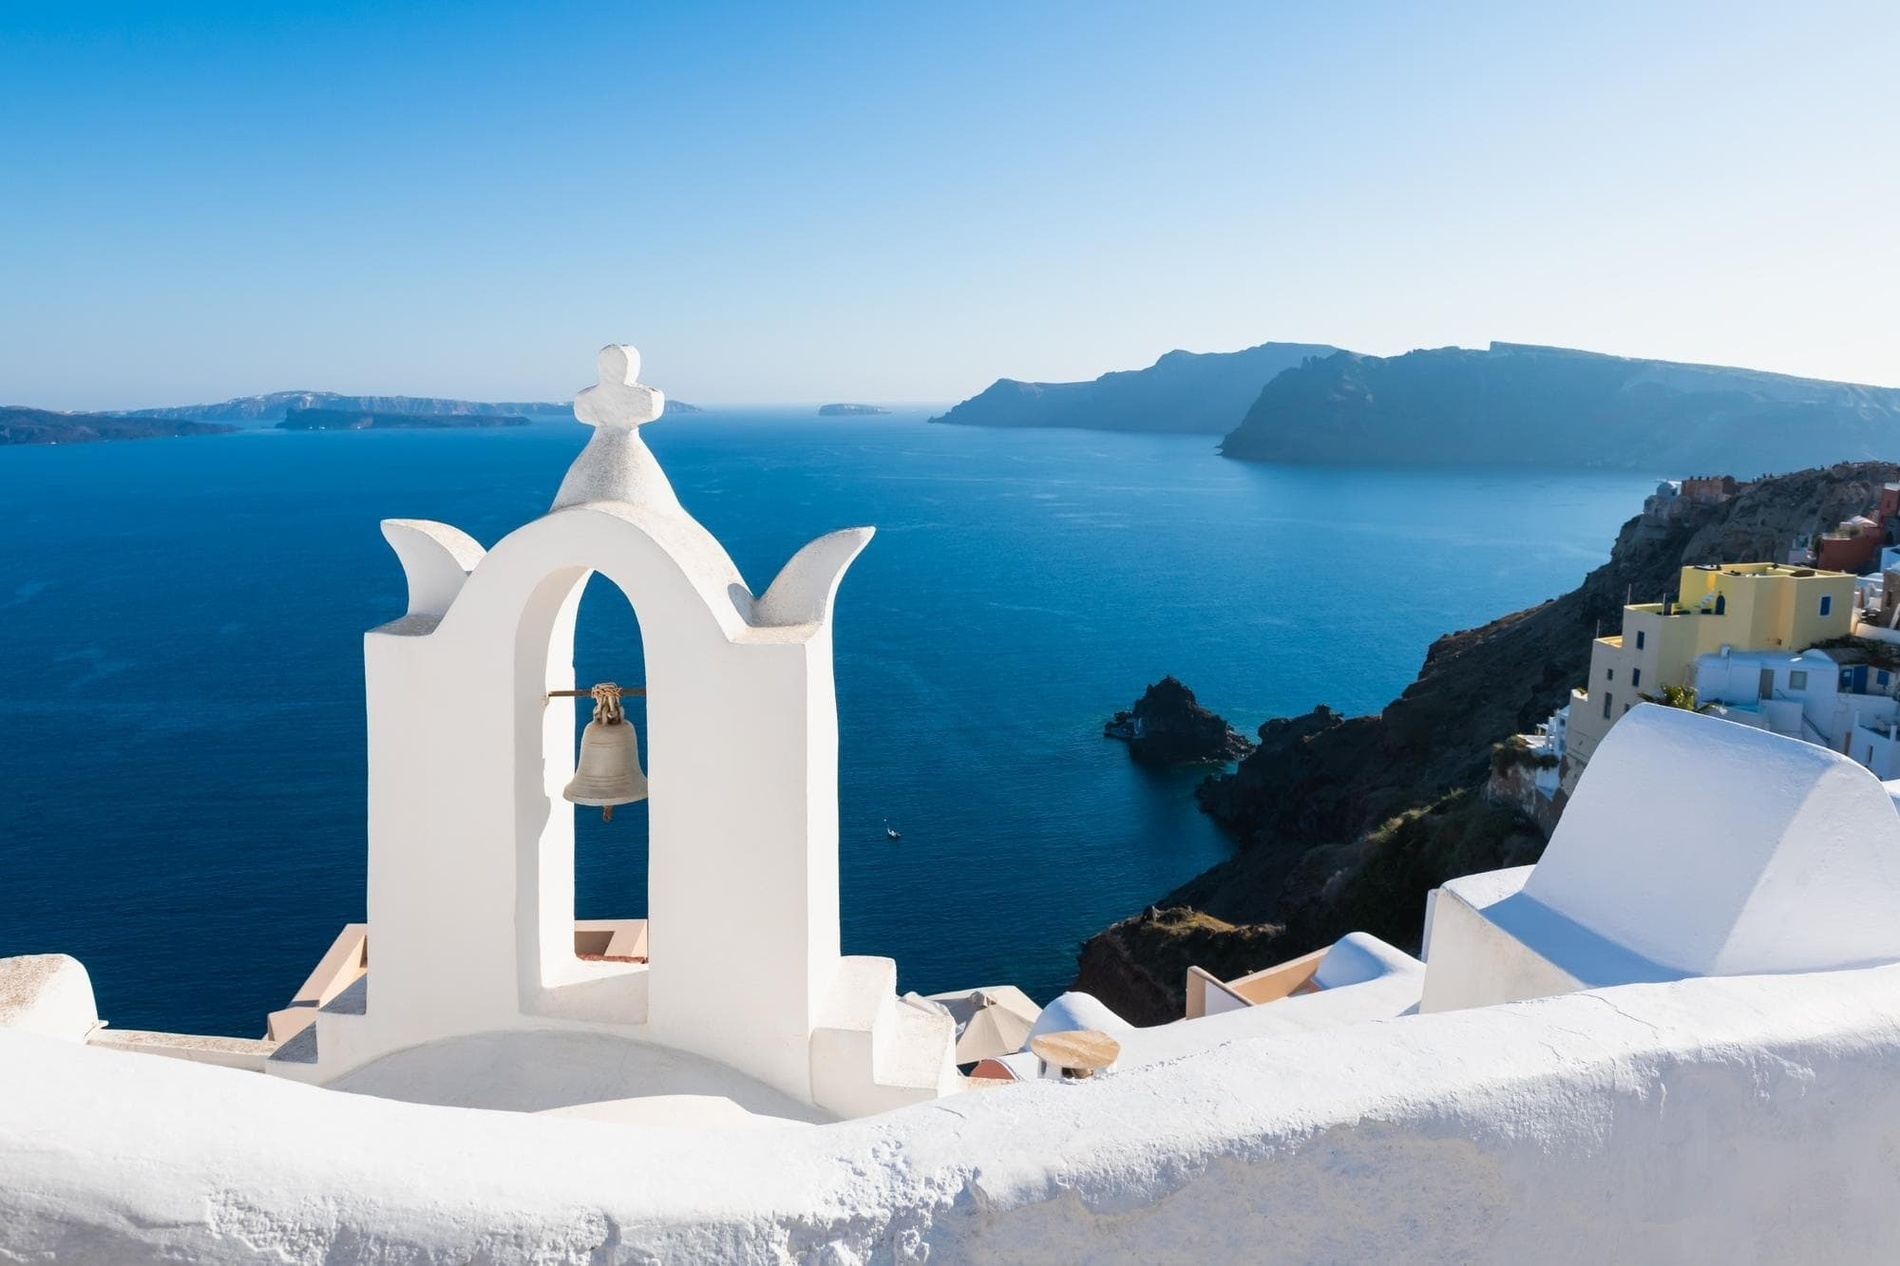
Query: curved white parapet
x=1743 y=1119
x=48 y=994
x=1692 y=847
x=1710 y=848
x=803 y=590
x=436 y=560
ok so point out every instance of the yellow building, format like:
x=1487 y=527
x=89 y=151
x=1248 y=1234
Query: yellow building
x=1743 y=606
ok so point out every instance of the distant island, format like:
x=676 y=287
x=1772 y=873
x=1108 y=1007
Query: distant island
x=369 y=420
x=1193 y=393
x=1520 y=405
x=279 y=404
x=20 y=425
x=849 y=410
x=1511 y=404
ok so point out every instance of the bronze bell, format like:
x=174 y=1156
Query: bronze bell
x=608 y=771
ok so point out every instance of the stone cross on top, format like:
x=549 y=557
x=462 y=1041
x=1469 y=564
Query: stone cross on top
x=619 y=400
x=615 y=465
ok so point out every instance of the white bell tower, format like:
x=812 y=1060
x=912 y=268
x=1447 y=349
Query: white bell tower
x=471 y=846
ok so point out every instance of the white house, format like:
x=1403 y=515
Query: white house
x=1832 y=698
x=1550 y=740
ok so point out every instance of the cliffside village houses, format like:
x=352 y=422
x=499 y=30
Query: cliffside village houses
x=1805 y=648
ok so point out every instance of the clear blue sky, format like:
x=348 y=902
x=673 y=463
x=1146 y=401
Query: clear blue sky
x=799 y=202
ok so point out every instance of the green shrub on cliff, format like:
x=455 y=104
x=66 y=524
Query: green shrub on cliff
x=1408 y=856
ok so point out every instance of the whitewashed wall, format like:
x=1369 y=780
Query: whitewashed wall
x=1735 y=1120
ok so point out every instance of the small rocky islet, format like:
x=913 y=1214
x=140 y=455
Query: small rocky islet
x=1168 y=726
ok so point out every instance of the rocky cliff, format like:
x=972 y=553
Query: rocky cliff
x=1517 y=405
x=1183 y=392
x=1345 y=823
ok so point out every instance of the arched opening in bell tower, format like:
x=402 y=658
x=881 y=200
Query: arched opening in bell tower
x=610 y=854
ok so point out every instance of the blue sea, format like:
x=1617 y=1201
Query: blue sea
x=181 y=731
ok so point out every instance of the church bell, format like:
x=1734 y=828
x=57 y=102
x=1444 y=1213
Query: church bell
x=608 y=771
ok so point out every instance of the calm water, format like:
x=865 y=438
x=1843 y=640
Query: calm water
x=181 y=735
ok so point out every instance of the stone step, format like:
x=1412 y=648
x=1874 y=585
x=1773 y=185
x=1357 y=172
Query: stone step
x=301 y=1048
x=872 y=1052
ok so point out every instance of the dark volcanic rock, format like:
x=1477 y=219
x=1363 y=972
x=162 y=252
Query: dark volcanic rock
x=1344 y=823
x=1139 y=966
x=1168 y=727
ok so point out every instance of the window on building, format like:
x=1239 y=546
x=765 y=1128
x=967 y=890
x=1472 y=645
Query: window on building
x=1609 y=674
x=1639 y=639
x=1797 y=679
x=1636 y=677
x=1626 y=707
x=1606 y=707
x=1827 y=603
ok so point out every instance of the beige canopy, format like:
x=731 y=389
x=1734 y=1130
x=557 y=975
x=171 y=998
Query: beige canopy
x=990 y=1022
